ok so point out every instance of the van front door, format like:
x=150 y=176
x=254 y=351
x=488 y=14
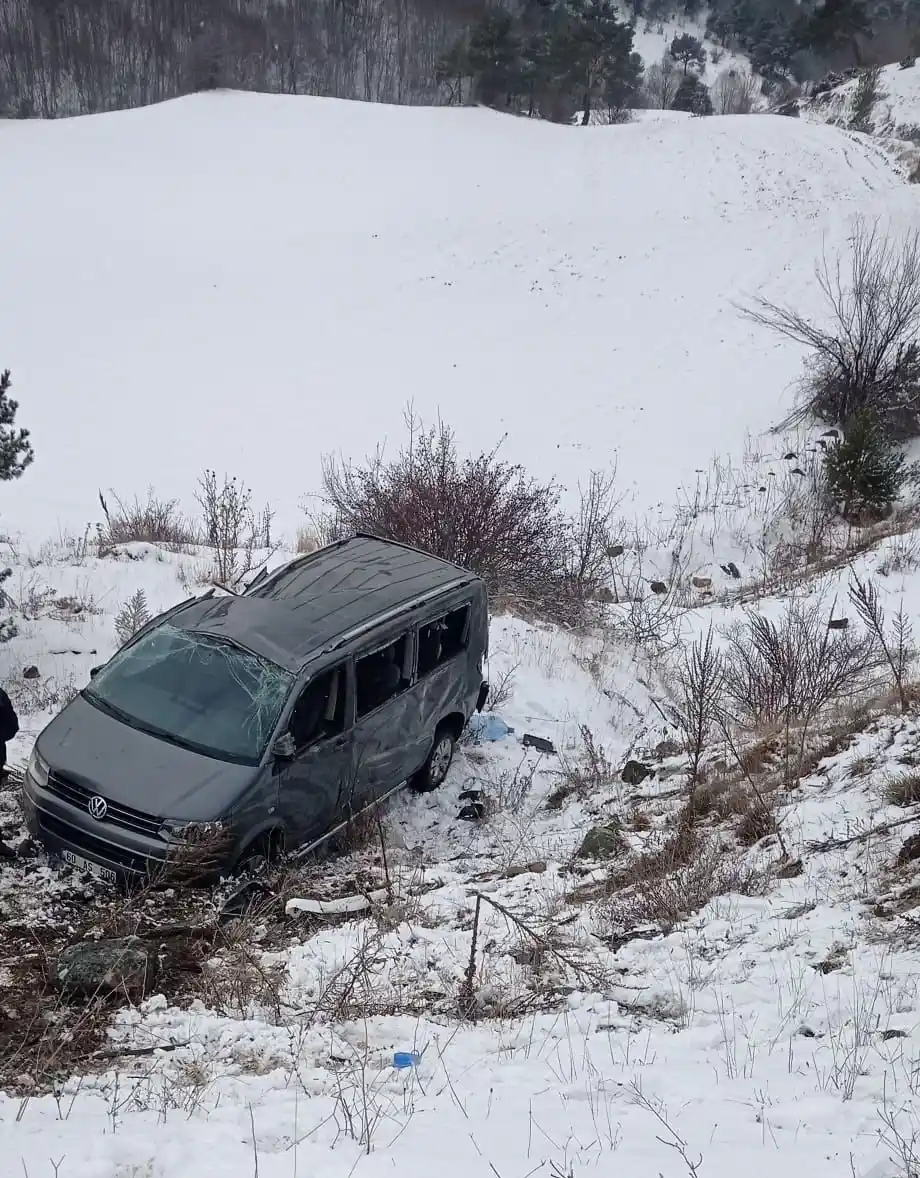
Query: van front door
x=313 y=783
x=385 y=721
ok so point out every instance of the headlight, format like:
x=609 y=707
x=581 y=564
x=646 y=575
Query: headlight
x=38 y=769
x=189 y=833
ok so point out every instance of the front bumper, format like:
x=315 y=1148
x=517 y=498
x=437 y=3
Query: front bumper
x=61 y=827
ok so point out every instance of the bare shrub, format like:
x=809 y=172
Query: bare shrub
x=146 y=521
x=869 y=356
x=509 y=789
x=903 y=790
x=592 y=531
x=588 y=772
x=231 y=527
x=733 y=92
x=502 y=689
x=306 y=541
x=670 y=896
x=479 y=512
x=662 y=79
x=897 y=646
x=700 y=678
x=132 y=616
x=788 y=670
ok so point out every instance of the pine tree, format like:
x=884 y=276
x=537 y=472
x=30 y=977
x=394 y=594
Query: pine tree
x=864 y=470
x=688 y=51
x=15 y=448
x=692 y=96
x=15 y=455
x=494 y=58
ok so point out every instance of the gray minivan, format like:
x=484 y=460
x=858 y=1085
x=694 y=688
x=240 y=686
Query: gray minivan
x=273 y=716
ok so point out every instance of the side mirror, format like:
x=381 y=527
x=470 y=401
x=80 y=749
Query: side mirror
x=284 y=749
x=94 y=671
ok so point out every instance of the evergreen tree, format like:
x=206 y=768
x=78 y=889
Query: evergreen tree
x=594 y=51
x=15 y=448
x=864 y=470
x=692 y=96
x=688 y=51
x=494 y=58
x=15 y=455
x=837 y=23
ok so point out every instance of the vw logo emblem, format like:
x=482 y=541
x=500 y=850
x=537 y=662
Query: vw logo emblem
x=98 y=808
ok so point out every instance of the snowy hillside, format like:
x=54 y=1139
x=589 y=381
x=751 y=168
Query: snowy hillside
x=246 y=282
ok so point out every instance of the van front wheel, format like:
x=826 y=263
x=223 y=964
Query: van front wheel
x=433 y=772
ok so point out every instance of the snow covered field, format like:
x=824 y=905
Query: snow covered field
x=245 y=282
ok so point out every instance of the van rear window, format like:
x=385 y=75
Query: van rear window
x=442 y=639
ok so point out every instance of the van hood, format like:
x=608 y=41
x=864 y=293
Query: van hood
x=136 y=769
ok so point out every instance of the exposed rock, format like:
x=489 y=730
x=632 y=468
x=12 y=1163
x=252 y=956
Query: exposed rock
x=31 y=673
x=667 y=748
x=124 y=966
x=659 y=587
x=702 y=582
x=602 y=842
x=731 y=570
x=790 y=870
x=910 y=850
x=537 y=867
x=635 y=772
x=838 y=623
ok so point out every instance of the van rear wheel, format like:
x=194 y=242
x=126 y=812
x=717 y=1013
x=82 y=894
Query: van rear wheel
x=435 y=769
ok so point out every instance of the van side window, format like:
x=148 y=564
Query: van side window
x=442 y=639
x=320 y=711
x=381 y=675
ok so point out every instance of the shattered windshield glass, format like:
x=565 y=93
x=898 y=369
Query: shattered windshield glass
x=202 y=692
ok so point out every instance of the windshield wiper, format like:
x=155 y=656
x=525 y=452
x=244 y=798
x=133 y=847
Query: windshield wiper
x=110 y=709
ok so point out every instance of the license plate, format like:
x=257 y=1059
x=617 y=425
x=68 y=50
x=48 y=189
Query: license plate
x=106 y=874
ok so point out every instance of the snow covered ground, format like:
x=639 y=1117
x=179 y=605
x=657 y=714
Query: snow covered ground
x=245 y=282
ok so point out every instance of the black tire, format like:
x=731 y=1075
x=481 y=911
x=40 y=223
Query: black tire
x=255 y=860
x=431 y=775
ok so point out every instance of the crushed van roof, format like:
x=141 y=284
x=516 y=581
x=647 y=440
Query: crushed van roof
x=309 y=604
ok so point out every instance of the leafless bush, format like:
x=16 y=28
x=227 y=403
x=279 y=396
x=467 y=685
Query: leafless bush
x=587 y=772
x=132 y=616
x=791 y=671
x=788 y=670
x=897 y=646
x=147 y=521
x=30 y=696
x=509 y=789
x=479 y=512
x=901 y=1136
x=501 y=690
x=592 y=531
x=667 y=897
x=869 y=357
x=662 y=79
x=903 y=790
x=734 y=92
x=700 y=680
x=231 y=527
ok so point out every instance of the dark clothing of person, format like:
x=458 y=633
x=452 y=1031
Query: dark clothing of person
x=9 y=725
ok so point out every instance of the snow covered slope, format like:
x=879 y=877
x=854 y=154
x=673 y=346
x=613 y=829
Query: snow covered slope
x=245 y=282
